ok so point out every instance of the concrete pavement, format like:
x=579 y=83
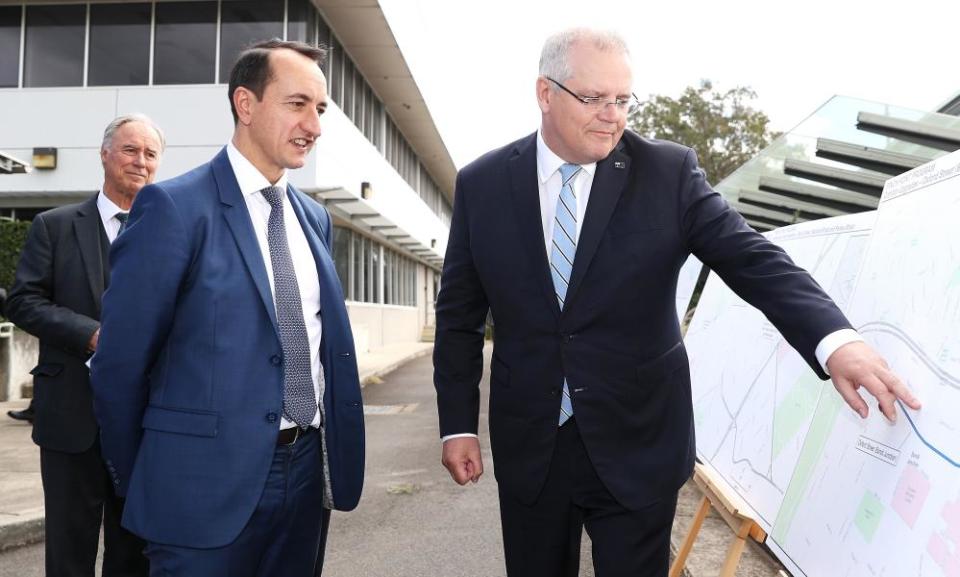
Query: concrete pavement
x=21 y=494
x=412 y=520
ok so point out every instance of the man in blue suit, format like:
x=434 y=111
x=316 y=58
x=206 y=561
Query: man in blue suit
x=225 y=381
x=573 y=238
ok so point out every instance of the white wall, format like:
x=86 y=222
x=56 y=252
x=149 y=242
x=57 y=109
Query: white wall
x=197 y=123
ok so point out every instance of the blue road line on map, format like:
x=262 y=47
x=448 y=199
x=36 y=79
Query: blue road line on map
x=925 y=442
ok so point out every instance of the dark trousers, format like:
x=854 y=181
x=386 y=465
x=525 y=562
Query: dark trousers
x=285 y=536
x=77 y=497
x=543 y=539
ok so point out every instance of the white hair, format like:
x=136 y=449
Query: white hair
x=119 y=121
x=554 y=59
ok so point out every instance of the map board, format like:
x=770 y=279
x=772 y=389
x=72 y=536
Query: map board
x=870 y=497
x=839 y=495
x=753 y=395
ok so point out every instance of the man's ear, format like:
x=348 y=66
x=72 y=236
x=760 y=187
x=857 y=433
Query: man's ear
x=544 y=94
x=243 y=101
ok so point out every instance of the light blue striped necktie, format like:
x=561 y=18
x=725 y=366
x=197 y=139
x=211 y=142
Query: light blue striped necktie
x=562 y=252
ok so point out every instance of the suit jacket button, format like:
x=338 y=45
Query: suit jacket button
x=275 y=360
x=271 y=417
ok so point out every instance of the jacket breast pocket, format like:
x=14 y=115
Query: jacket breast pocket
x=181 y=421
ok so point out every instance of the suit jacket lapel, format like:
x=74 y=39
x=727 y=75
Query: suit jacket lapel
x=526 y=209
x=238 y=219
x=86 y=227
x=608 y=184
x=314 y=233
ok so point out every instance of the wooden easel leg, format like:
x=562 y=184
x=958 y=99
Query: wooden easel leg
x=681 y=560
x=736 y=550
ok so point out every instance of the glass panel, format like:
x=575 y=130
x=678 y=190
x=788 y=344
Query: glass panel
x=387 y=267
x=301 y=24
x=374 y=272
x=358 y=268
x=119 y=44
x=323 y=39
x=10 y=45
x=368 y=112
x=341 y=257
x=358 y=84
x=335 y=79
x=185 y=43
x=378 y=125
x=347 y=86
x=53 y=55
x=245 y=22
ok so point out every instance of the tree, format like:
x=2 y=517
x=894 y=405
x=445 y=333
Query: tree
x=722 y=127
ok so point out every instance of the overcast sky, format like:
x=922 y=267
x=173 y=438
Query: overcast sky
x=476 y=61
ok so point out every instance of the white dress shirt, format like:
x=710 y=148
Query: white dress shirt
x=549 y=182
x=108 y=216
x=251 y=182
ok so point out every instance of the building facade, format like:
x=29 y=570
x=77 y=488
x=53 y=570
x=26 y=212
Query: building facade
x=380 y=166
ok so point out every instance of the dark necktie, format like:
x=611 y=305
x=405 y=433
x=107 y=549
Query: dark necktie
x=299 y=399
x=122 y=217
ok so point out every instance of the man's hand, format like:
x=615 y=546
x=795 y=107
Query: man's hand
x=461 y=456
x=856 y=364
x=94 y=339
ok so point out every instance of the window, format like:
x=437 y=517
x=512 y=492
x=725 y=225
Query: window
x=348 y=95
x=119 y=44
x=324 y=39
x=53 y=55
x=335 y=79
x=341 y=257
x=358 y=95
x=185 y=43
x=10 y=17
x=301 y=21
x=373 y=296
x=358 y=268
x=245 y=22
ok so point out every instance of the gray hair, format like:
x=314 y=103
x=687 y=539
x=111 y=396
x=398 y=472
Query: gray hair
x=119 y=121
x=554 y=62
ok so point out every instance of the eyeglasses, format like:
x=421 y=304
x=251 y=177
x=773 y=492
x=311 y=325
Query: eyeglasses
x=596 y=103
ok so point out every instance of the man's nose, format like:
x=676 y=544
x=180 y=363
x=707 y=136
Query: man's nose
x=312 y=123
x=611 y=112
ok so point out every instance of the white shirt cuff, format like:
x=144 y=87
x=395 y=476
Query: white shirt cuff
x=456 y=436
x=832 y=342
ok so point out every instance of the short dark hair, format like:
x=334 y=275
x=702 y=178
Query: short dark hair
x=252 y=69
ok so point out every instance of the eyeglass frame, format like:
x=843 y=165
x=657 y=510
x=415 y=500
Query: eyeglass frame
x=597 y=102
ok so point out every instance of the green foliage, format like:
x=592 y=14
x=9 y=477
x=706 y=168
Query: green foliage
x=722 y=127
x=12 y=236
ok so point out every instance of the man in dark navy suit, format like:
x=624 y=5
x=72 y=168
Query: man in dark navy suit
x=226 y=381
x=573 y=238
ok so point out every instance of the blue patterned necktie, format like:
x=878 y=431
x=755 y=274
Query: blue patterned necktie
x=122 y=217
x=562 y=252
x=299 y=399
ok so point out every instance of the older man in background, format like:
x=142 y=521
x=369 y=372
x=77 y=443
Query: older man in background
x=60 y=279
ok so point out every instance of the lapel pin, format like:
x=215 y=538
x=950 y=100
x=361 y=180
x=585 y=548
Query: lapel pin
x=619 y=164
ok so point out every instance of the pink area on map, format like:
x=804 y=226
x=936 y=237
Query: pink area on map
x=947 y=555
x=910 y=495
x=951 y=514
x=940 y=552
